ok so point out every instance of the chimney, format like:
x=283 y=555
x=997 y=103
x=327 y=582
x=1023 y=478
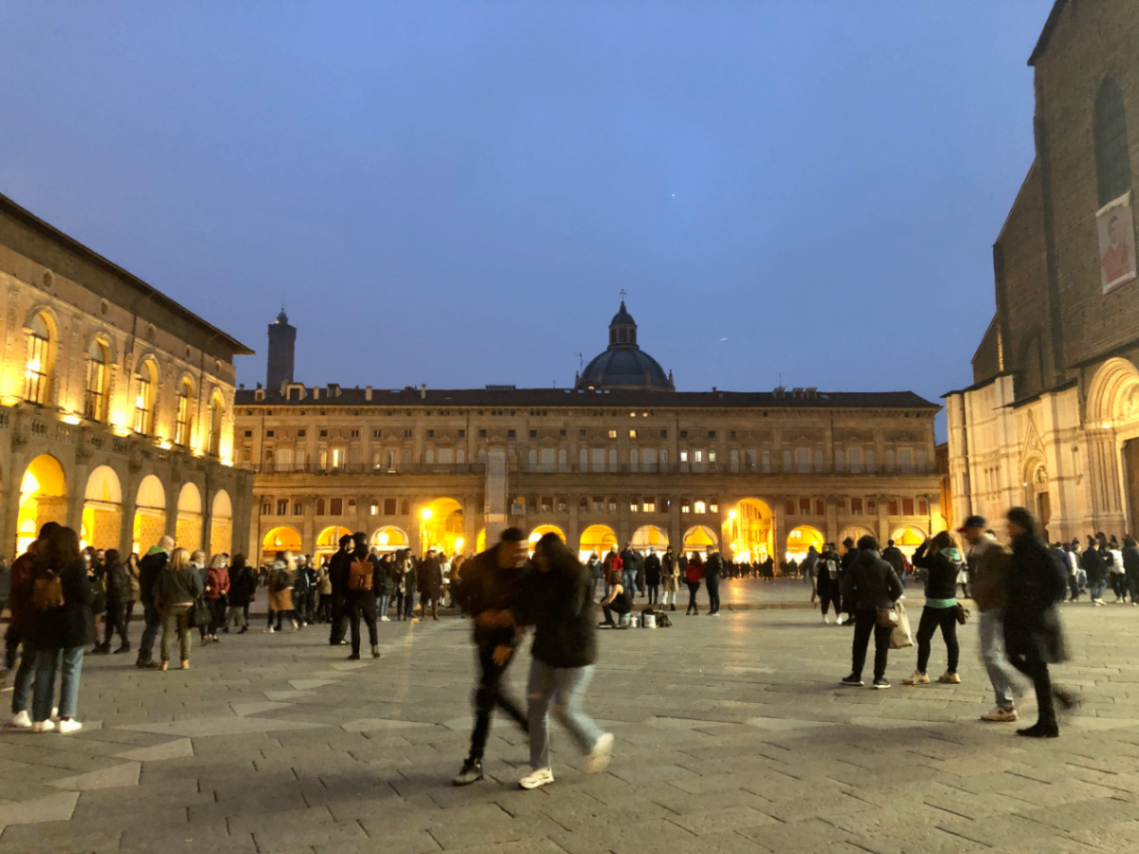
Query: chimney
x=367 y=392
x=423 y=391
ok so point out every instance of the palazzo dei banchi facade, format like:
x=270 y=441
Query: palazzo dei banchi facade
x=621 y=457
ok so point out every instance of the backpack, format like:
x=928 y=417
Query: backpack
x=360 y=576
x=278 y=580
x=663 y=622
x=47 y=593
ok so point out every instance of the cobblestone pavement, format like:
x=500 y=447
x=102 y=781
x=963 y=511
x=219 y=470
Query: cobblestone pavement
x=732 y=736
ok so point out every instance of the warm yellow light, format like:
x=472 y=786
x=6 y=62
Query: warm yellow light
x=534 y=537
x=29 y=485
x=140 y=402
x=162 y=443
x=731 y=514
x=425 y=514
x=459 y=543
x=33 y=366
x=382 y=539
x=70 y=419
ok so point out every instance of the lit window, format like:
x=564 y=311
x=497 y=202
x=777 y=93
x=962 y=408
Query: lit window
x=144 y=400
x=37 y=370
x=217 y=417
x=94 y=406
x=684 y=456
x=182 y=422
x=701 y=507
x=612 y=434
x=632 y=434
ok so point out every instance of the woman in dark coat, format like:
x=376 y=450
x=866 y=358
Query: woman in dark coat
x=60 y=634
x=242 y=589
x=1033 y=636
x=117 y=579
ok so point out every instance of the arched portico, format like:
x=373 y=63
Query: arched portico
x=102 y=525
x=800 y=540
x=43 y=499
x=749 y=530
x=150 y=514
x=188 y=530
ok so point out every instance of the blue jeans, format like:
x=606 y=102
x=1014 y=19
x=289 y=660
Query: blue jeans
x=565 y=688
x=1098 y=588
x=48 y=661
x=25 y=675
x=629 y=582
x=385 y=602
x=993 y=655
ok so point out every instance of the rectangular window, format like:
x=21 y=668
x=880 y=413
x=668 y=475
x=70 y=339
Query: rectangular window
x=407 y=434
x=871 y=507
x=893 y=507
x=547 y=505
x=405 y=508
x=356 y=434
x=336 y=507
x=612 y=434
x=598 y=505
x=337 y=457
x=266 y=508
x=389 y=506
x=683 y=457
x=766 y=460
x=711 y=434
x=511 y=434
x=712 y=457
x=855 y=460
x=377 y=434
x=923 y=507
x=820 y=507
x=248 y=434
x=856 y=506
x=324 y=434
x=683 y=434
x=282 y=506
x=612 y=505
x=713 y=507
x=698 y=456
x=700 y=507
x=650 y=505
x=462 y=434
x=632 y=434
x=907 y=507
x=298 y=508
x=533 y=434
x=300 y=434
x=324 y=459
x=905 y=458
x=634 y=505
x=805 y=506
x=789 y=507
x=732 y=434
x=664 y=434
x=482 y=434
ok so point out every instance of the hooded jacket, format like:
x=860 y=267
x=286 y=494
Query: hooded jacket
x=870 y=582
x=941 y=579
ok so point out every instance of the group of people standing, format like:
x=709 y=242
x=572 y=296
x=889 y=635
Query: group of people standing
x=1016 y=591
x=656 y=578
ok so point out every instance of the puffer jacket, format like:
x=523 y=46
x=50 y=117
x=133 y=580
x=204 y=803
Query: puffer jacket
x=941 y=578
x=870 y=582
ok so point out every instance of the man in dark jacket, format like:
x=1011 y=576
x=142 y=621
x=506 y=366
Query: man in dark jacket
x=868 y=586
x=713 y=571
x=1092 y=563
x=1131 y=567
x=430 y=581
x=1032 y=627
x=148 y=570
x=652 y=576
x=893 y=556
x=338 y=569
x=829 y=580
x=489 y=591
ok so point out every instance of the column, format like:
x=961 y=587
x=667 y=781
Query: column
x=497 y=495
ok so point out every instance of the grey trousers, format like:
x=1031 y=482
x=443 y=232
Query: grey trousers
x=992 y=631
x=564 y=688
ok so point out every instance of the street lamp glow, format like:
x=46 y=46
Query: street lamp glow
x=425 y=514
x=731 y=514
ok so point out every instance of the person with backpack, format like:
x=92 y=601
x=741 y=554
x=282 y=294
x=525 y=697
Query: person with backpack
x=22 y=608
x=829 y=583
x=360 y=596
x=869 y=586
x=63 y=626
x=405 y=584
x=694 y=575
x=242 y=589
x=177 y=590
x=1033 y=634
x=216 y=589
x=281 y=592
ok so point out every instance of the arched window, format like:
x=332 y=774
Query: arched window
x=144 y=400
x=182 y=422
x=95 y=396
x=37 y=371
x=1113 y=168
x=217 y=416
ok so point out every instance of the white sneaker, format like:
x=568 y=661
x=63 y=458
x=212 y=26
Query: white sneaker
x=600 y=755
x=1000 y=716
x=385 y=619
x=826 y=619
x=840 y=620
x=43 y=726
x=67 y=726
x=536 y=778
x=21 y=721
x=270 y=630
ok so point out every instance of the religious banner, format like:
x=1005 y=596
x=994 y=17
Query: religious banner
x=1116 y=243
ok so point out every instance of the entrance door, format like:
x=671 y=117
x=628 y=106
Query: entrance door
x=1044 y=512
x=1131 y=470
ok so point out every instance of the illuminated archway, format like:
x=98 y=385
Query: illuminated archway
x=282 y=539
x=441 y=525
x=650 y=537
x=328 y=541
x=43 y=499
x=855 y=532
x=188 y=528
x=908 y=538
x=102 y=510
x=542 y=530
x=700 y=538
x=800 y=540
x=150 y=514
x=389 y=538
x=750 y=530
x=221 y=523
x=596 y=538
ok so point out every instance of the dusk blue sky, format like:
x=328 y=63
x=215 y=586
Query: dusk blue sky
x=454 y=193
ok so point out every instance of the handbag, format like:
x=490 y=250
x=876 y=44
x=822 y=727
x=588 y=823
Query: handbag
x=963 y=614
x=887 y=618
x=901 y=637
x=199 y=614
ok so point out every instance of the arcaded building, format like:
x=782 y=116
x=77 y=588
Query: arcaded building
x=618 y=457
x=116 y=403
x=1051 y=420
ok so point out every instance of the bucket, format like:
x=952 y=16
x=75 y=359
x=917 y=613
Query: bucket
x=648 y=621
x=628 y=620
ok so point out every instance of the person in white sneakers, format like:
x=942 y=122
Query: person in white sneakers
x=989 y=562
x=62 y=628
x=557 y=601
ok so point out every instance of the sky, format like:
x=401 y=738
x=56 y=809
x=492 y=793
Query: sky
x=455 y=193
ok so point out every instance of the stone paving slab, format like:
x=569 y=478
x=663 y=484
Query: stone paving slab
x=732 y=736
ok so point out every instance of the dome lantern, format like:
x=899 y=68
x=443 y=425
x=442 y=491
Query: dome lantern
x=623 y=364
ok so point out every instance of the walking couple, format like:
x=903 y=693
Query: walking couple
x=504 y=592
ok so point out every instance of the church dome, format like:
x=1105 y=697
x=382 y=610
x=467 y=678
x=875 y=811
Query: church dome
x=624 y=364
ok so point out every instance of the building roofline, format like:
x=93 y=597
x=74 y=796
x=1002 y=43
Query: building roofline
x=1046 y=33
x=977 y=385
x=28 y=218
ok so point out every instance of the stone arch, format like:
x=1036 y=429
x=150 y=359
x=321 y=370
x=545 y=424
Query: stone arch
x=854 y=532
x=801 y=538
x=542 y=530
x=104 y=336
x=650 y=536
x=43 y=499
x=441 y=524
x=102 y=520
x=328 y=540
x=390 y=538
x=700 y=538
x=280 y=539
x=908 y=538
x=749 y=529
x=597 y=538
x=1113 y=395
x=188 y=529
x=221 y=523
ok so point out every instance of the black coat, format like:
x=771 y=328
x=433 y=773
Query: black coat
x=73 y=624
x=1035 y=584
x=941 y=578
x=430 y=577
x=870 y=582
x=652 y=570
x=485 y=586
x=1131 y=560
x=558 y=604
x=149 y=569
x=242 y=586
x=1092 y=563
